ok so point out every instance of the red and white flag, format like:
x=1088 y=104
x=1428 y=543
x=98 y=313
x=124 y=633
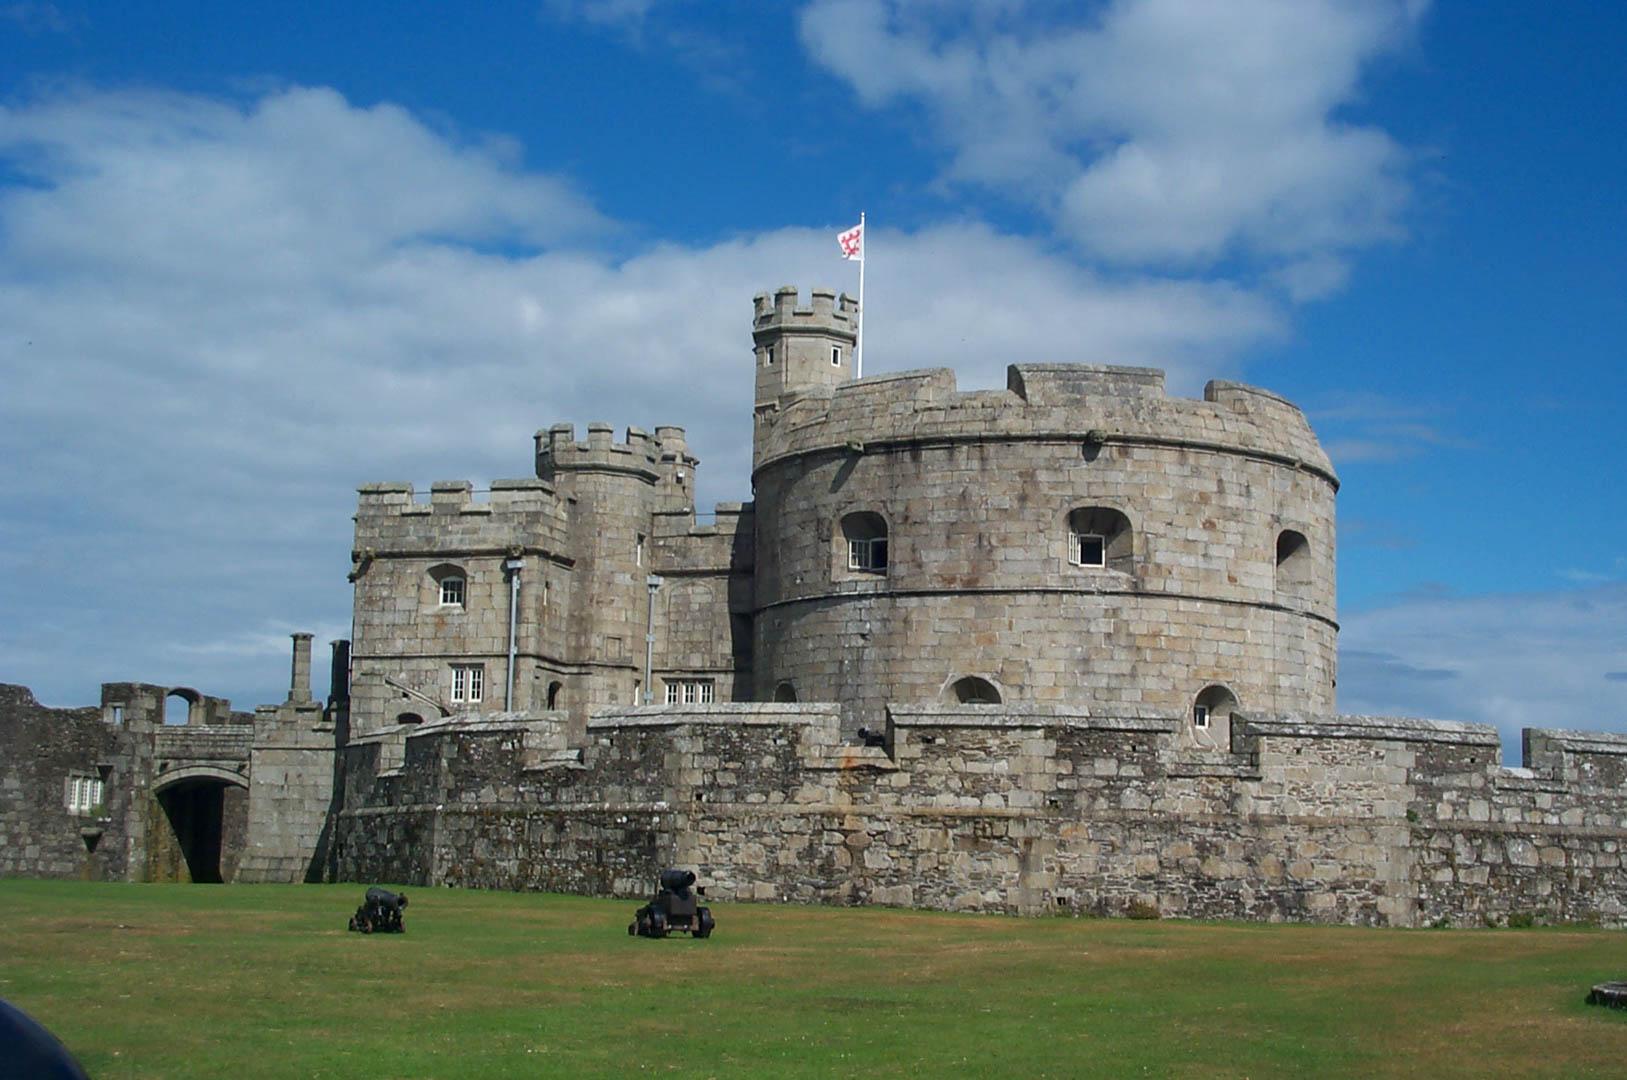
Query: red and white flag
x=852 y=242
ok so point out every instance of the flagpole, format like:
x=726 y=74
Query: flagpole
x=858 y=346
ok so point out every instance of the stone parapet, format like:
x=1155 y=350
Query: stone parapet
x=1042 y=402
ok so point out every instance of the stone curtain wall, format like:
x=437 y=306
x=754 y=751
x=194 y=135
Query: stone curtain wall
x=1019 y=810
x=40 y=748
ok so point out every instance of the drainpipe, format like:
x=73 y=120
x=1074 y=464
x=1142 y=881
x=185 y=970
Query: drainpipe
x=654 y=583
x=513 y=566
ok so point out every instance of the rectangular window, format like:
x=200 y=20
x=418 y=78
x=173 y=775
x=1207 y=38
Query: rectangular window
x=84 y=794
x=638 y=550
x=1200 y=716
x=869 y=555
x=835 y=355
x=615 y=648
x=118 y=715
x=452 y=592
x=689 y=691
x=1088 y=549
x=468 y=683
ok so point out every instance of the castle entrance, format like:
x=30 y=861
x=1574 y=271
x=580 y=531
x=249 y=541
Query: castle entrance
x=201 y=813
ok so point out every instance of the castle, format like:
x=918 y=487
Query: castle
x=1070 y=645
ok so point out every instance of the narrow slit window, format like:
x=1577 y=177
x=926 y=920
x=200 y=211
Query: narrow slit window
x=835 y=355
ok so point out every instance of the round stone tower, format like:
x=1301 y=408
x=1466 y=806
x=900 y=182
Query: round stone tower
x=1078 y=538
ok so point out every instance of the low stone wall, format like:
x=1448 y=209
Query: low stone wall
x=999 y=808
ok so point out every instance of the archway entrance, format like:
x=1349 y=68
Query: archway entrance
x=201 y=810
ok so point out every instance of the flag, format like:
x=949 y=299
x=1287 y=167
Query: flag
x=852 y=242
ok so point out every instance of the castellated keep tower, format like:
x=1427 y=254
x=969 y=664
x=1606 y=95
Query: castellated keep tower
x=1069 y=645
x=1079 y=538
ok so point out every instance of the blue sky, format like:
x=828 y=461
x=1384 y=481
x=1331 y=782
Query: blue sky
x=249 y=261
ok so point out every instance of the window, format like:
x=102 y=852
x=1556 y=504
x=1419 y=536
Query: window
x=1087 y=549
x=835 y=355
x=768 y=356
x=554 y=690
x=865 y=536
x=638 y=550
x=83 y=794
x=975 y=691
x=1293 y=560
x=785 y=693
x=468 y=683
x=118 y=715
x=448 y=586
x=1100 y=537
x=1212 y=712
x=689 y=691
x=451 y=592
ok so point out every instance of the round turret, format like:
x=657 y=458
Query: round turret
x=1078 y=538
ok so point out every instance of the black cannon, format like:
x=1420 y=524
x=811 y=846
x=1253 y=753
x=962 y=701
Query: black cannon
x=675 y=906
x=380 y=912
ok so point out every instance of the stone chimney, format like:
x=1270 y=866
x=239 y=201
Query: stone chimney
x=299 y=684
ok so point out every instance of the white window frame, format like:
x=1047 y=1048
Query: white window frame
x=1200 y=716
x=835 y=356
x=861 y=555
x=454 y=590
x=82 y=794
x=691 y=691
x=1076 y=549
x=468 y=683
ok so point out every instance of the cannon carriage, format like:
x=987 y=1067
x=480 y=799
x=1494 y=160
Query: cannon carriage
x=674 y=907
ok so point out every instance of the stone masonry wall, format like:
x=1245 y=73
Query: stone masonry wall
x=976 y=490
x=40 y=750
x=1011 y=809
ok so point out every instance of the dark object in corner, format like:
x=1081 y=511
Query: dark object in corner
x=1610 y=994
x=872 y=738
x=28 y=1049
x=675 y=906
x=380 y=912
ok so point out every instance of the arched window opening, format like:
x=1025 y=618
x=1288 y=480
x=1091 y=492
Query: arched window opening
x=864 y=542
x=408 y=718
x=972 y=690
x=179 y=706
x=1212 y=713
x=1293 y=560
x=1100 y=537
x=555 y=691
x=785 y=693
x=449 y=586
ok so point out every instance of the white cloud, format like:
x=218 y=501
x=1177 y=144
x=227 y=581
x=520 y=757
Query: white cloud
x=224 y=316
x=1157 y=132
x=1515 y=660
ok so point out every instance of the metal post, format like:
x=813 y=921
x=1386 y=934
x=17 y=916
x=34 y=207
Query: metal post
x=513 y=566
x=654 y=583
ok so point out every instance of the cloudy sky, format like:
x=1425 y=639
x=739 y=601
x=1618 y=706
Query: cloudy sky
x=250 y=261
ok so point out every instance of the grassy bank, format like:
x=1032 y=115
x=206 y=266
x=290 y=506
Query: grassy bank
x=206 y=981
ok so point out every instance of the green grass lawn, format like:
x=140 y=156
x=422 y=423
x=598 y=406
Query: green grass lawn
x=246 y=981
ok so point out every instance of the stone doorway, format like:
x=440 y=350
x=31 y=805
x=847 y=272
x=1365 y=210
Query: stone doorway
x=205 y=816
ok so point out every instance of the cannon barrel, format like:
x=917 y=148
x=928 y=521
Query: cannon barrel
x=677 y=882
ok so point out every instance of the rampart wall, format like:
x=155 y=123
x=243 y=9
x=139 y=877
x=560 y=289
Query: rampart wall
x=1022 y=809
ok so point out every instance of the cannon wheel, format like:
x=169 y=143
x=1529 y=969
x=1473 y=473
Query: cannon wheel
x=658 y=925
x=704 y=923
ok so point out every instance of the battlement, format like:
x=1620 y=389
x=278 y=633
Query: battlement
x=453 y=497
x=640 y=453
x=1042 y=401
x=825 y=313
